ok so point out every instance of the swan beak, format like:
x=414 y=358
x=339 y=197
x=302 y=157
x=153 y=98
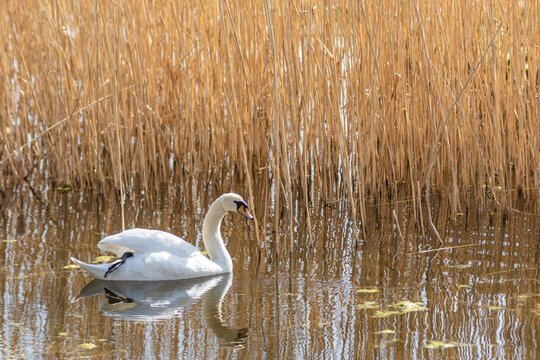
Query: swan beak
x=244 y=211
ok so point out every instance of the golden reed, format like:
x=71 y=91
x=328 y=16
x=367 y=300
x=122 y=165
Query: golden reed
x=349 y=95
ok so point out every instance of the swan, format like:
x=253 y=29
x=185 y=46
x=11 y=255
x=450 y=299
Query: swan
x=147 y=255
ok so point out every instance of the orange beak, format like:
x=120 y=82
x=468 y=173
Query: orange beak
x=244 y=211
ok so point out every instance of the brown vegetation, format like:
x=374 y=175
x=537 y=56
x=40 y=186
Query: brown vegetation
x=348 y=95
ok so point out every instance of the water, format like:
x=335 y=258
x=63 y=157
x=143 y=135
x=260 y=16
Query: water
x=321 y=297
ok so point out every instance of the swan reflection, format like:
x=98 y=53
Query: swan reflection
x=159 y=300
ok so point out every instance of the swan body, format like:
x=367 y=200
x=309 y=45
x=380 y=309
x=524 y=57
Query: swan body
x=158 y=255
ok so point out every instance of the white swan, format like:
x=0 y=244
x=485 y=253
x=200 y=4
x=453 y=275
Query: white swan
x=157 y=255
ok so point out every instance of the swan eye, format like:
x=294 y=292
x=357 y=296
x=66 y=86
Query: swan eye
x=240 y=204
x=242 y=208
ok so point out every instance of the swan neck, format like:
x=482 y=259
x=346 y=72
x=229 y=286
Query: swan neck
x=213 y=242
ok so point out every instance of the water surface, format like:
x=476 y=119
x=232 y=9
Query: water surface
x=318 y=294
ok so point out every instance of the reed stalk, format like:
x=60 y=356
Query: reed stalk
x=353 y=99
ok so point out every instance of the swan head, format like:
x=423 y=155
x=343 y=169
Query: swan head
x=234 y=202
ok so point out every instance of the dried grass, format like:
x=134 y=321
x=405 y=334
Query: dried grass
x=343 y=96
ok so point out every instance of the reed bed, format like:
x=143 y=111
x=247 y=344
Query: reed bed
x=369 y=99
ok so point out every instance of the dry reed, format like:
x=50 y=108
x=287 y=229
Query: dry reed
x=333 y=96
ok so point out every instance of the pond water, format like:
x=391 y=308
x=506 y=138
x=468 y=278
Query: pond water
x=305 y=294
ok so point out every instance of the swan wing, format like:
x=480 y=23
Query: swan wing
x=164 y=265
x=143 y=241
x=161 y=265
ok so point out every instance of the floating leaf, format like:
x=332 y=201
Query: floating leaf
x=103 y=258
x=290 y=294
x=407 y=306
x=204 y=252
x=385 y=313
x=76 y=315
x=460 y=214
x=8 y=240
x=87 y=346
x=368 y=305
x=321 y=323
x=493 y=307
x=62 y=334
x=496 y=187
x=71 y=266
x=64 y=188
x=460 y=266
x=387 y=331
x=465 y=286
x=435 y=344
x=367 y=290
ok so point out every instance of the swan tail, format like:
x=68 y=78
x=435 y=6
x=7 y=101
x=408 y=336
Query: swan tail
x=96 y=271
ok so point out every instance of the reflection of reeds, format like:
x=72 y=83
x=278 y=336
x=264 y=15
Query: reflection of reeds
x=350 y=96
